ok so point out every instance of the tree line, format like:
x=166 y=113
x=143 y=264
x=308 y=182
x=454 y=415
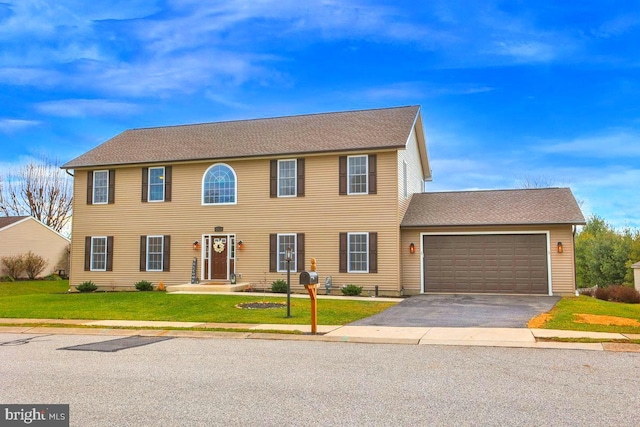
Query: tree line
x=604 y=255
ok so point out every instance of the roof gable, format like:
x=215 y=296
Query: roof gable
x=493 y=207
x=6 y=221
x=12 y=221
x=315 y=133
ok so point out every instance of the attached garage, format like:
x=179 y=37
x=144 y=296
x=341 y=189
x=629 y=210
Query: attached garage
x=490 y=242
x=486 y=263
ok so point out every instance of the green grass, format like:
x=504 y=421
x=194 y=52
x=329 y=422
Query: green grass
x=563 y=315
x=50 y=300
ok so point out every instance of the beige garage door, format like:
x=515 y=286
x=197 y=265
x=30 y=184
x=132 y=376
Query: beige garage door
x=486 y=263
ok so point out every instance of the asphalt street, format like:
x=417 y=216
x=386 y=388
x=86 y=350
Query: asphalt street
x=210 y=382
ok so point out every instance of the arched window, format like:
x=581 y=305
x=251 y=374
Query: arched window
x=219 y=185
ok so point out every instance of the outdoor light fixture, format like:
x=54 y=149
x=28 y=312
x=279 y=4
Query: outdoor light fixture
x=412 y=248
x=240 y=244
x=196 y=245
x=560 y=249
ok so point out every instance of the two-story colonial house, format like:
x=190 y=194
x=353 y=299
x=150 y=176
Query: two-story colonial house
x=345 y=188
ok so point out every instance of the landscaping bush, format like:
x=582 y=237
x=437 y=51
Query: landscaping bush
x=144 y=285
x=351 y=290
x=87 y=286
x=618 y=293
x=33 y=264
x=13 y=265
x=279 y=286
x=7 y=278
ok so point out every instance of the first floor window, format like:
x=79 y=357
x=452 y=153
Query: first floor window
x=98 y=254
x=155 y=245
x=155 y=252
x=286 y=241
x=358 y=252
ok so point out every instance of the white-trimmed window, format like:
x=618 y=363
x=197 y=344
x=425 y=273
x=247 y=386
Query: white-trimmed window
x=99 y=253
x=219 y=185
x=358 y=252
x=100 y=187
x=357 y=169
x=287 y=241
x=156 y=184
x=155 y=252
x=287 y=174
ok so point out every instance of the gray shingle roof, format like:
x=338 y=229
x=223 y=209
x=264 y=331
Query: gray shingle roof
x=314 y=133
x=8 y=220
x=494 y=207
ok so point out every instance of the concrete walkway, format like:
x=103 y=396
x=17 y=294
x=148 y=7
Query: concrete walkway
x=491 y=337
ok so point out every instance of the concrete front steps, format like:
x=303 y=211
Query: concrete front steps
x=207 y=287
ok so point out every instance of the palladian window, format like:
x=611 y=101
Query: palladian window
x=219 y=185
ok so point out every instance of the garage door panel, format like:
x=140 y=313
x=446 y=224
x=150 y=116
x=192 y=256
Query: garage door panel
x=486 y=263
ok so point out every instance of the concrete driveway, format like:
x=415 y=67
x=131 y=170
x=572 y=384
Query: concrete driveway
x=463 y=311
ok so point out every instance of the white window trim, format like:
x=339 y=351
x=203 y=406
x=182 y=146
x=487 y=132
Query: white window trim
x=349 y=270
x=95 y=188
x=161 y=253
x=366 y=182
x=295 y=178
x=149 y=184
x=106 y=253
x=294 y=261
x=235 y=194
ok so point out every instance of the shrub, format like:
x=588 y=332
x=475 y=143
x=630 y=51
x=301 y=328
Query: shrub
x=161 y=286
x=279 y=286
x=87 y=286
x=34 y=264
x=618 y=293
x=144 y=285
x=52 y=277
x=351 y=290
x=7 y=278
x=13 y=265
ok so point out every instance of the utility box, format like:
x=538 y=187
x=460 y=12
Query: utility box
x=308 y=278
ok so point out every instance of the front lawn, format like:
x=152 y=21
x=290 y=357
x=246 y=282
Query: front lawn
x=585 y=313
x=50 y=300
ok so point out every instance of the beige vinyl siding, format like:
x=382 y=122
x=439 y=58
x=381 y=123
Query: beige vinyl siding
x=415 y=177
x=321 y=214
x=562 y=265
x=31 y=235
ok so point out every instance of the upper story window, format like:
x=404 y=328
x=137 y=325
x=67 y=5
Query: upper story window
x=219 y=186
x=101 y=187
x=358 y=174
x=287 y=178
x=156 y=184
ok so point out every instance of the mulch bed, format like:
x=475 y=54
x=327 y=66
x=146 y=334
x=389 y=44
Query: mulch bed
x=258 y=305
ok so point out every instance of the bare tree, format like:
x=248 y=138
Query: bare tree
x=540 y=181
x=40 y=189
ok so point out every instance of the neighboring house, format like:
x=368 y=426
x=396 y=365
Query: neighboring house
x=21 y=234
x=636 y=275
x=335 y=186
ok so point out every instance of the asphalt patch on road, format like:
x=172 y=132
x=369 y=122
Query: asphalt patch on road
x=117 y=344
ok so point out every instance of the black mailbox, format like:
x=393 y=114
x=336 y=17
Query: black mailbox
x=308 y=278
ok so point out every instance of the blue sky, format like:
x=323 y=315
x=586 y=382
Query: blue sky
x=544 y=91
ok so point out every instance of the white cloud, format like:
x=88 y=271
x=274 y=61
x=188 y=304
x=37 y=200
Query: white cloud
x=86 y=107
x=14 y=125
x=611 y=143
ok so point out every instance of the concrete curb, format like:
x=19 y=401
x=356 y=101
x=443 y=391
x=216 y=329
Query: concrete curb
x=484 y=337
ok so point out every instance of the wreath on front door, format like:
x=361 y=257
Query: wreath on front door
x=218 y=246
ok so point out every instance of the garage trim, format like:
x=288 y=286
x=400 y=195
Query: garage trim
x=468 y=233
